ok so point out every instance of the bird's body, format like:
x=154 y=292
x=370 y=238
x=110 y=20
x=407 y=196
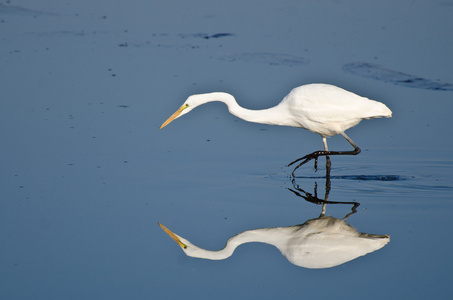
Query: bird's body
x=321 y=108
x=329 y=110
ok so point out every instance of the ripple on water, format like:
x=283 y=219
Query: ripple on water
x=274 y=59
x=374 y=71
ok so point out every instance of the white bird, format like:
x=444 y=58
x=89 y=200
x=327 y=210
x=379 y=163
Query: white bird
x=321 y=108
x=318 y=243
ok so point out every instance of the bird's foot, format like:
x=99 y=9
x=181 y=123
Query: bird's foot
x=305 y=159
x=319 y=153
x=315 y=155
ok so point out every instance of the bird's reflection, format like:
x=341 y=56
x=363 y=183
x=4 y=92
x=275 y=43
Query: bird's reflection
x=322 y=242
x=313 y=198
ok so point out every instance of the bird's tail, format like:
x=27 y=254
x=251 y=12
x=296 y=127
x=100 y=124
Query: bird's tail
x=378 y=110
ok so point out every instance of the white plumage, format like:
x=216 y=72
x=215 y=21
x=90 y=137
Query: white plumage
x=324 y=242
x=329 y=110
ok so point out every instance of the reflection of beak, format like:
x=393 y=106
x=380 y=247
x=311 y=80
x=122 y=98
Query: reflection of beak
x=173 y=236
x=174 y=116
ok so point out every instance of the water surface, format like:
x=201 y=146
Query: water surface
x=86 y=174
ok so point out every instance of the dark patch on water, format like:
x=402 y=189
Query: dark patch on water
x=207 y=36
x=217 y=35
x=274 y=59
x=362 y=177
x=374 y=71
x=371 y=177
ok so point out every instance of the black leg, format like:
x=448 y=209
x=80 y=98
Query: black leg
x=317 y=154
x=326 y=153
x=327 y=174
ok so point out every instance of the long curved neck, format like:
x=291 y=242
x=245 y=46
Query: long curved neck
x=266 y=116
x=258 y=235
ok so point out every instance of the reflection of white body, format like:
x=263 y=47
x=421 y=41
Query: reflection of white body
x=318 y=243
x=321 y=108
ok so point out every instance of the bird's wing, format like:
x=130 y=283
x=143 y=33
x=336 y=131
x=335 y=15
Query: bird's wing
x=326 y=104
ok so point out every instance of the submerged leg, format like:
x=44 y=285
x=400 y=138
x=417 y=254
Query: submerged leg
x=326 y=153
x=328 y=164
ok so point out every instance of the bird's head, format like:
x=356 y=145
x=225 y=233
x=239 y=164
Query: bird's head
x=197 y=100
x=191 y=102
x=183 y=243
x=194 y=251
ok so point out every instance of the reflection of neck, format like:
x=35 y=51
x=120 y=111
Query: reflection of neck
x=258 y=235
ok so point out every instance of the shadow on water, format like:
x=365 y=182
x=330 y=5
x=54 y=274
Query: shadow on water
x=374 y=71
x=360 y=177
x=321 y=242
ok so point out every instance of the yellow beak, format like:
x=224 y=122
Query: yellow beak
x=174 y=116
x=173 y=236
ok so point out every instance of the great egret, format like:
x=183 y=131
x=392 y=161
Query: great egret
x=318 y=243
x=321 y=108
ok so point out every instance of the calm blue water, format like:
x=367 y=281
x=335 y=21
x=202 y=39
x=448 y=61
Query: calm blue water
x=86 y=174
